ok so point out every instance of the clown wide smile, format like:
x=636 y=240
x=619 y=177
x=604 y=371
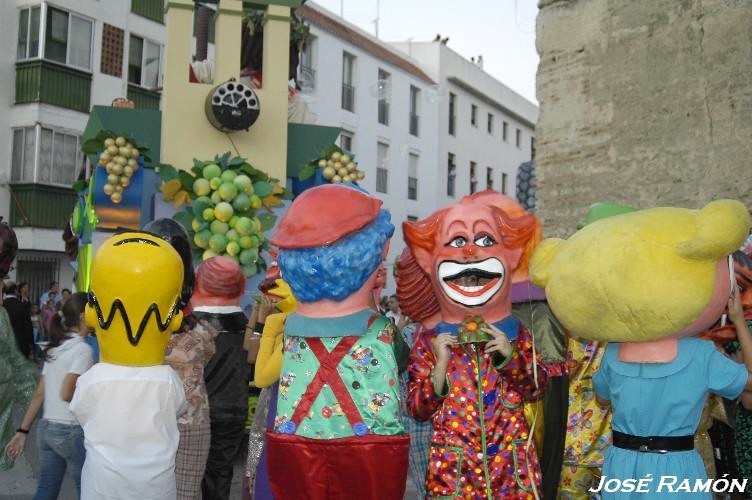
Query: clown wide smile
x=473 y=283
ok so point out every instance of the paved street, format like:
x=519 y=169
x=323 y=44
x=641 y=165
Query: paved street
x=20 y=482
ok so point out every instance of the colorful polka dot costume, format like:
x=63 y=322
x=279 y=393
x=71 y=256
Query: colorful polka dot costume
x=479 y=445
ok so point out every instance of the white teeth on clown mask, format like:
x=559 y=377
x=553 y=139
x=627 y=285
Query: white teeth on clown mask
x=471 y=284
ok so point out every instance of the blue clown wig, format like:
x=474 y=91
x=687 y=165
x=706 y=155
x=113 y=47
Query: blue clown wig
x=338 y=270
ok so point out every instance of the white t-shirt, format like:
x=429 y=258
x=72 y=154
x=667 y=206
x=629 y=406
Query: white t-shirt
x=72 y=356
x=129 y=416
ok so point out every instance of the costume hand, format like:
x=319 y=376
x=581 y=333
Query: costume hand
x=735 y=308
x=500 y=342
x=16 y=446
x=441 y=347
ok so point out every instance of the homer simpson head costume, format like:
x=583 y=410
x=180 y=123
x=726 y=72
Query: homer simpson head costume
x=135 y=307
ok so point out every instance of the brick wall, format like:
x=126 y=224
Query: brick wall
x=642 y=102
x=112 y=51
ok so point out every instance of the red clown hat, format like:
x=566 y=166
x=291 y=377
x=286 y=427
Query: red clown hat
x=324 y=214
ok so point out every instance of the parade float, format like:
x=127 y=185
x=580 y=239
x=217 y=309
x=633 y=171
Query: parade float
x=221 y=156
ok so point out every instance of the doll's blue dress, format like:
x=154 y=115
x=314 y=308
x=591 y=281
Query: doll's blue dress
x=663 y=399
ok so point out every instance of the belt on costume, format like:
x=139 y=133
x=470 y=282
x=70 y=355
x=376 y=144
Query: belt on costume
x=653 y=444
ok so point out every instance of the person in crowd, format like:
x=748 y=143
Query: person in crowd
x=49 y=310
x=272 y=312
x=188 y=352
x=655 y=374
x=23 y=293
x=473 y=364
x=220 y=284
x=90 y=337
x=20 y=319
x=128 y=404
x=338 y=429
x=64 y=296
x=61 y=439
x=420 y=430
x=53 y=291
x=36 y=323
x=383 y=305
x=393 y=309
x=18 y=378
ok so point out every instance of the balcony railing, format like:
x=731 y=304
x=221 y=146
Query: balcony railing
x=383 y=112
x=143 y=98
x=382 y=179
x=37 y=205
x=150 y=9
x=348 y=97
x=414 y=119
x=52 y=83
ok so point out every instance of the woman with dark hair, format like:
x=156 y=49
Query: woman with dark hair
x=60 y=437
x=188 y=352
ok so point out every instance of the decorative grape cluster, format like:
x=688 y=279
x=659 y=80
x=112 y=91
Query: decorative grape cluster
x=223 y=217
x=339 y=167
x=120 y=160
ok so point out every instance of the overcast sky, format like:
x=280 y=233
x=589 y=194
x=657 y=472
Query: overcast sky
x=502 y=30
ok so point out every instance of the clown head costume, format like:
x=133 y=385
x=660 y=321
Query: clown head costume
x=464 y=256
x=338 y=432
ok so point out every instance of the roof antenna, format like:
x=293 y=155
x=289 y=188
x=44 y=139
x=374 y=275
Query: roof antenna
x=376 y=21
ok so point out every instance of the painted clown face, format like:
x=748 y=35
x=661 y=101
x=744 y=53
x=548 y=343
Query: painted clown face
x=470 y=269
x=470 y=265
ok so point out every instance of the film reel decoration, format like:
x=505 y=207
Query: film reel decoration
x=232 y=106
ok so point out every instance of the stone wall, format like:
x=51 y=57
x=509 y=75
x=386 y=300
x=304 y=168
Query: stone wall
x=644 y=103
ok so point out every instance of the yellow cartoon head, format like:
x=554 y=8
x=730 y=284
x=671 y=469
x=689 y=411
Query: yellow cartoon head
x=136 y=281
x=645 y=275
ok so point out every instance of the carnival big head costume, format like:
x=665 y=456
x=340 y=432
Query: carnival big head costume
x=457 y=278
x=337 y=431
x=664 y=274
x=220 y=284
x=646 y=282
x=134 y=300
x=128 y=404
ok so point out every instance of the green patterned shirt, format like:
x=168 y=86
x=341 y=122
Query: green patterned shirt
x=367 y=368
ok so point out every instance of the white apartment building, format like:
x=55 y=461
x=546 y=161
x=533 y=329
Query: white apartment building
x=485 y=129
x=382 y=99
x=427 y=125
x=61 y=57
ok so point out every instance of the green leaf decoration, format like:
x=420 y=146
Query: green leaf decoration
x=267 y=221
x=185 y=219
x=308 y=171
x=236 y=162
x=186 y=180
x=92 y=147
x=223 y=160
x=166 y=172
x=262 y=189
x=79 y=185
